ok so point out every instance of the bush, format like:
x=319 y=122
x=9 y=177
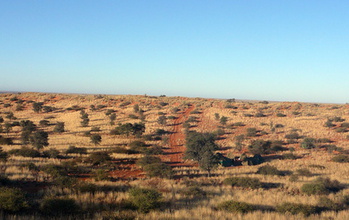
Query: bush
x=289 y=156
x=51 y=153
x=59 y=206
x=268 y=170
x=308 y=143
x=76 y=150
x=97 y=158
x=145 y=199
x=5 y=141
x=158 y=170
x=328 y=204
x=100 y=175
x=341 y=158
x=280 y=115
x=194 y=191
x=246 y=182
x=304 y=172
x=154 y=150
x=314 y=189
x=148 y=160
x=296 y=208
x=322 y=186
x=236 y=207
x=12 y=199
x=25 y=152
x=251 y=132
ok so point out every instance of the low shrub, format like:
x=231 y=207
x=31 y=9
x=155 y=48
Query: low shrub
x=25 y=152
x=12 y=199
x=341 y=158
x=246 y=182
x=304 y=172
x=145 y=199
x=235 y=206
x=194 y=191
x=161 y=170
x=59 y=206
x=289 y=156
x=322 y=186
x=268 y=170
x=296 y=208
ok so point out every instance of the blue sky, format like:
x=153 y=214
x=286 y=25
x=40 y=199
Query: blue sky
x=278 y=50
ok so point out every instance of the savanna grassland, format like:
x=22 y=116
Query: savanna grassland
x=126 y=157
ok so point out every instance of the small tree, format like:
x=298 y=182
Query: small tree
x=162 y=120
x=37 y=106
x=112 y=118
x=96 y=139
x=59 y=128
x=39 y=139
x=223 y=120
x=201 y=147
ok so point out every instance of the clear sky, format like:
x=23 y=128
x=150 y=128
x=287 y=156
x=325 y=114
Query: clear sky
x=281 y=50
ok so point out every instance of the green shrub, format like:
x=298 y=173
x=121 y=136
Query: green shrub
x=59 y=206
x=97 y=158
x=158 y=170
x=296 y=208
x=289 y=156
x=12 y=199
x=194 y=191
x=308 y=143
x=322 y=186
x=51 y=153
x=76 y=150
x=235 y=206
x=25 y=152
x=100 y=175
x=251 y=132
x=246 y=182
x=341 y=158
x=147 y=160
x=304 y=172
x=328 y=204
x=314 y=189
x=268 y=170
x=145 y=199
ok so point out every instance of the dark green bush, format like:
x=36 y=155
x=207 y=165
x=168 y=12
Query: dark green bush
x=246 y=182
x=147 y=160
x=76 y=150
x=12 y=199
x=308 y=143
x=322 y=186
x=59 y=206
x=194 y=191
x=158 y=170
x=341 y=158
x=97 y=158
x=235 y=206
x=25 y=152
x=145 y=199
x=51 y=153
x=289 y=156
x=268 y=170
x=296 y=208
x=304 y=172
x=314 y=189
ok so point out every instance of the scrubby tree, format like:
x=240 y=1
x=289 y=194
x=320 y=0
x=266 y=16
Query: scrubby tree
x=112 y=118
x=162 y=120
x=59 y=128
x=201 y=147
x=223 y=120
x=37 y=106
x=96 y=139
x=39 y=139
